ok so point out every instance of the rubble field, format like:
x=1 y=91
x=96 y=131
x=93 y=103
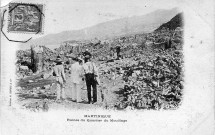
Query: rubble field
x=146 y=76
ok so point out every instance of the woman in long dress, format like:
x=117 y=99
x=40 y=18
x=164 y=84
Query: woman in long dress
x=77 y=74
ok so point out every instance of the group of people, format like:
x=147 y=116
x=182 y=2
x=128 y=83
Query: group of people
x=81 y=69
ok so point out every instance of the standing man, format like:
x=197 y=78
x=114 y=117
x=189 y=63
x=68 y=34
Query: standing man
x=118 y=48
x=86 y=53
x=77 y=73
x=91 y=77
x=58 y=72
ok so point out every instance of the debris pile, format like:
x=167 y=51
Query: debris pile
x=155 y=82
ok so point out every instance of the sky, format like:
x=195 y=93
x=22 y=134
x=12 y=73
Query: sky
x=78 y=14
x=65 y=15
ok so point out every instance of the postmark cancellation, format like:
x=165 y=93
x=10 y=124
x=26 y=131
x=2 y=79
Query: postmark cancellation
x=25 y=18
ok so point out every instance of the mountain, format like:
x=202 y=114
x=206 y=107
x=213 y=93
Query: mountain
x=124 y=26
x=175 y=22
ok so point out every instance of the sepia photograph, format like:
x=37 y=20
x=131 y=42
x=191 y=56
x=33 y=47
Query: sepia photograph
x=126 y=62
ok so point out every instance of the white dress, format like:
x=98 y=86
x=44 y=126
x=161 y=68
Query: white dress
x=77 y=73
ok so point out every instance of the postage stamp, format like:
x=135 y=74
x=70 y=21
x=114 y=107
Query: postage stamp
x=25 y=18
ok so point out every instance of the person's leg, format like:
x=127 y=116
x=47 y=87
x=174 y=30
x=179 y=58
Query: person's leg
x=94 y=91
x=78 y=90
x=73 y=92
x=75 y=89
x=88 y=88
x=63 y=92
x=89 y=93
x=58 y=91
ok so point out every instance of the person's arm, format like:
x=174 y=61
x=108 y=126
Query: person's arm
x=82 y=73
x=95 y=70
x=63 y=74
x=70 y=69
x=96 y=74
x=84 y=68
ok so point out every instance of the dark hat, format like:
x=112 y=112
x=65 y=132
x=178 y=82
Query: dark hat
x=58 y=59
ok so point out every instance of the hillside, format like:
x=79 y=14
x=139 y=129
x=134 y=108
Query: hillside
x=130 y=25
x=175 y=22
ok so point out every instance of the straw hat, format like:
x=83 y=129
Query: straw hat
x=88 y=56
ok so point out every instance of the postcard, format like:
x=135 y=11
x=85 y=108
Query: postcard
x=107 y=67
